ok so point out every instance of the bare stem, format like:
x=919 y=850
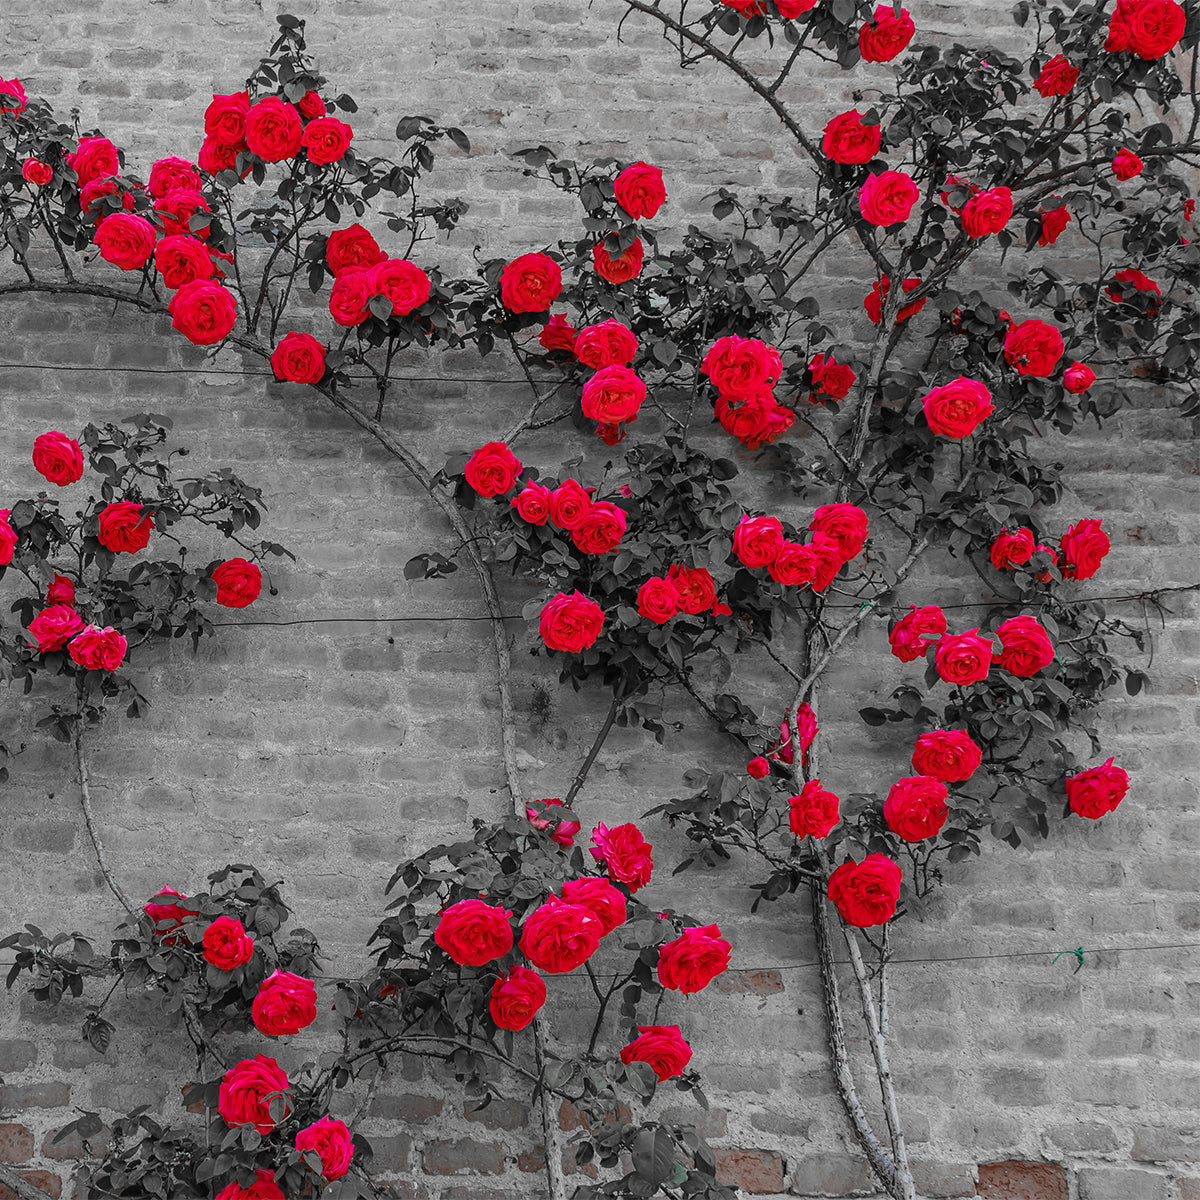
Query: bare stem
x=85 y=798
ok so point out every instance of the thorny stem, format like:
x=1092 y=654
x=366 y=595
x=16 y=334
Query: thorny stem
x=85 y=799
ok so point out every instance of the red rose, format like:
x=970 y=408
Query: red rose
x=569 y=504
x=227 y=945
x=60 y=591
x=847 y=140
x=661 y=1047
x=657 y=599
x=95 y=158
x=740 y=367
x=285 y=1004
x=908 y=639
x=987 y=212
x=8 y=537
x=238 y=583
x=1126 y=165
x=125 y=240
x=613 y=395
x=608 y=344
x=957 y=192
x=181 y=259
x=558 y=334
x=55 y=626
x=167 y=917
x=1153 y=27
x=758 y=768
x=402 y=282
x=624 y=853
x=331 y=1140
x=530 y=283
x=1078 y=377
x=124 y=528
x=1189 y=209
x=621 y=269
x=885 y=35
x=795 y=565
x=833 y=378
x=695 y=587
x=1045 y=576
x=956 y=408
x=215 y=156
x=887 y=198
x=203 y=312
x=35 y=171
x=1056 y=78
x=757 y=541
x=806 y=724
x=176 y=213
x=874 y=300
x=558 y=937
x=599 y=897
x=946 y=754
x=827 y=553
x=847 y=523
x=173 y=174
x=493 y=469
x=601 y=529
x=1053 y=223
x=1140 y=281
x=866 y=893
x=273 y=129
x=225 y=119
x=570 y=623
x=1084 y=546
x=299 y=358
x=58 y=458
x=351 y=249
x=247 y=1091
x=963 y=658
x=814 y=812
x=13 y=91
x=90 y=193
x=563 y=833
x=348 y=298
x=1012 y=549
x=516 y=998
x=326 y=140
x=1025 y=646
x=916 y=807
x=532 y=503
x=639 y=190
x=755 y=422
x=1033 y=347
x=1097 y=791
x=473 y=933
x=310 y=105
x=264 y=1187
x=693 y=960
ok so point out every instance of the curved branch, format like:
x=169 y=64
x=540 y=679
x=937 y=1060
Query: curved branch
x=89 y=816
x=20 y=1186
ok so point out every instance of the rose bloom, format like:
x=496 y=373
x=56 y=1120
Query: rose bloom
x=167 y=917
x=35 y=171
x=1053 y=223
x=695 y=587
x=1084 y=546
x=215 y=156
x=1078 y=377
x=829 y=561
x=1097 y=791
x=599 y=897
x=264 y=1187
x=331 y=1140
x=741 y=367
x=1126 y=165
x=532 y=503
x=285 y=1004
x=608 y=344
x=351 y=249
x=847 y=523
x=639 y=190
x=621 y=269
x=1148 y=28
x=754 y=422
x=182 y=259
x=757 y=541
x=558 y=937
x=657 y=599
x=1140 y=281
x=493 y=469
x=402 y=282
x=963 y=658
x=123 y=527
x=55 y=626
x=530 y=283
x=569 y=504
x=299 y=358
x=171 y=174
x=570 y=623
x=273 y=129
x=661 y=1047
x=563 y=833
x=1033 y=347
x=1012 y=549
x=758 y=768
x=126 y=241
x=326 y=140
x=625 y=854
x=13 y=90
x=916 y=631
x=238 y=583
x=794 y=566
x=516 y=998
x=473 y=933
x=847 y=140
x=693 y=960
x=99 y=189
x=987 y=212
x=956 y=408
x=558 y=334
x=612 y=395
x=833 y=378
x=247 y=1090
x=175 y=212
x=806 y=724
x=348 y=298
x=203 y=312
x=227 y=945
x=58 y=458
x=916 y=807
x=601 y=529
x=884 y=36
x=887 y=198
x=946 y=754
x=95 y=158
x=1056 y=78
x=874 y=300
x=225 y=118
x=1025 y=646
x=60 y=591
x=814 y=812
x=310 y=105
x=866 y=893
x=8 y=537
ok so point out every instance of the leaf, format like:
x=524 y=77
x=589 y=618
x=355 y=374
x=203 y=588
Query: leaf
x=654 y=1155
x=98 y=1032
x=460 y=139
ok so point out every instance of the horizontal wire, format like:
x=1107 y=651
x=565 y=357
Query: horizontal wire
x=263 y=374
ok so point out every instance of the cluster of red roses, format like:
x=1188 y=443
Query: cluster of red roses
x=839 y=532
x=361 y=271
x=781 y=751
x=271 y=128
x=595 y=526
x=830 y=378
x=965 y=658
x=690 y=590
x=744 y=370
x=880 y=39
x=1079 y=554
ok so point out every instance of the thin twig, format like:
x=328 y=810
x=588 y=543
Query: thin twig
x=85 y=799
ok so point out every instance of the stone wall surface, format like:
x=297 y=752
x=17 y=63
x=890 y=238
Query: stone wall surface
x=323 y=752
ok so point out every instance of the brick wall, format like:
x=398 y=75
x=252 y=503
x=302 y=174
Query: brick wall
x=324 y=752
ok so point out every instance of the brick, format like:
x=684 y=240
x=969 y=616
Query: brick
x=1020 y=1180
x=71 y=1147
x=49 y=1183
x=499 y=1114
x=462 y=1155
x=16 y=1143
x=943 y=1179
x=15 y=1096
x=17 y=1055
x=1105 y=1184
x=1166 y=1145
x=831 y=1175
x=1083 y=1137
x=408 y=1109
x=759 y=1172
